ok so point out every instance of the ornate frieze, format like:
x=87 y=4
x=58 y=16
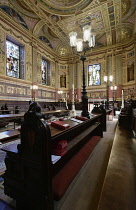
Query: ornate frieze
x=1 y=89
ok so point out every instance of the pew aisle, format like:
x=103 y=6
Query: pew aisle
x=84 y=191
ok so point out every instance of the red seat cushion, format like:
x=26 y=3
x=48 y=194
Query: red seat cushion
x=66 y=175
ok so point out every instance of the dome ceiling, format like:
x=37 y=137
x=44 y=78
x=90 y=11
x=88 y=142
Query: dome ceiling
x=52 y=20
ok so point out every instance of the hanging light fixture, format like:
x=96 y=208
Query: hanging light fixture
x=88 y=37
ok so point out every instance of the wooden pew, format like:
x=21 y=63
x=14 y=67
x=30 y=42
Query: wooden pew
x=126 y=117
x=101 y=110
x=133 y=125
x=6 y=135
x=30 y=172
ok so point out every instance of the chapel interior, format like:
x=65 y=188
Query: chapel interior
x=51 y=71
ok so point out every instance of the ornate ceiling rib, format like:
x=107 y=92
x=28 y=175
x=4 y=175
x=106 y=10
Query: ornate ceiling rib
x=39 y=12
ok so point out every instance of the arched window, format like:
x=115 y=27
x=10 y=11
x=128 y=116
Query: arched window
x=45 y=68
x=15 y=59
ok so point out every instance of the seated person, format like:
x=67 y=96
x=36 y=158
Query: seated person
x=35 y=107
x=16 y=109
x=2 y=108
x=6 y=108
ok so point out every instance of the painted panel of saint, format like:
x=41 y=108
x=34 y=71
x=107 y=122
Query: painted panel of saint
x=63 y=81
x=130 y=72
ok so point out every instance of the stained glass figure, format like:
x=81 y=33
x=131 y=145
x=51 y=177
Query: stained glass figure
x=12 y=64
x=44 y=72
x=94 y=74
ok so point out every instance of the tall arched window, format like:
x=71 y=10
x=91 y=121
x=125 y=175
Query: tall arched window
x=13 y=62
x=15 y=59
x=45 y=68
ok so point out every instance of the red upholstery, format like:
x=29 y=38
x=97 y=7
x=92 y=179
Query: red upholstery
x=66 y=175
x=60 y=124
x=81 y=118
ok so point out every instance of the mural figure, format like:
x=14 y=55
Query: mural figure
x=130 y=72
x=63 y=81
x=14 y=15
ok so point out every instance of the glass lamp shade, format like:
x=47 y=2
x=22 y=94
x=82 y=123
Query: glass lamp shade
x=115 y=87
x=73 y=39
x=111 y=87
x=86 y=33
x=79 y=45
x=92 y=40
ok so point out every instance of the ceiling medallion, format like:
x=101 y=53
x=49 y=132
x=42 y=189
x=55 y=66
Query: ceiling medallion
x=64 y=7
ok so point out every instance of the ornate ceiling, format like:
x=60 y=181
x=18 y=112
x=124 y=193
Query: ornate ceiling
x=51 y=21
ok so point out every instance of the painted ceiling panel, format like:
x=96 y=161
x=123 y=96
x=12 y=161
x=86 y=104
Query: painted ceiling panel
x=52 y=20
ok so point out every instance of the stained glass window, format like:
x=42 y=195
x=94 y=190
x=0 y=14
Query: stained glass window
x=12 y=64
x=94 y=77
x=44 y=68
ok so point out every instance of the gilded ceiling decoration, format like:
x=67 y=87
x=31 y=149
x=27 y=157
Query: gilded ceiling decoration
x=126 y=5
x=126 y=34
x=52 y=20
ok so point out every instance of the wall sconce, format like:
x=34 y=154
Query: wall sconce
x=106 y=78
x=113 y=87
x=60 y=91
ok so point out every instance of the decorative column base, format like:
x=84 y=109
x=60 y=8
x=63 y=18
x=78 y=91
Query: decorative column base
x=85 y=112
x=73 y=111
